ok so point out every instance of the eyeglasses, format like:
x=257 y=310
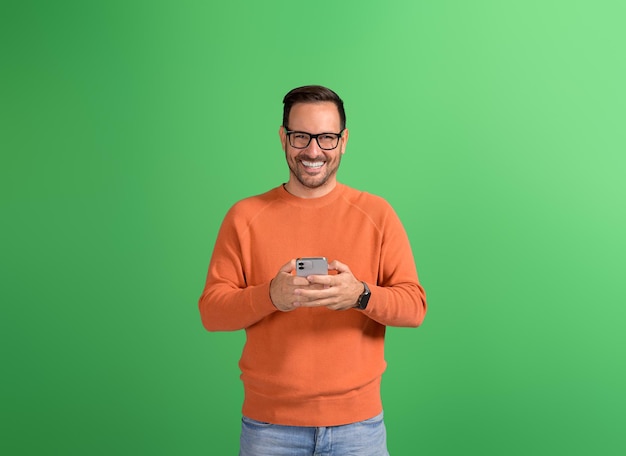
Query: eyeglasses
x=302 y=139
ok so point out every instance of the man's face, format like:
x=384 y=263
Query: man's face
x=312 y=170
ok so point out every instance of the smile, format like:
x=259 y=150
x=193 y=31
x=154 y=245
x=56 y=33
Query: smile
x=313 y=164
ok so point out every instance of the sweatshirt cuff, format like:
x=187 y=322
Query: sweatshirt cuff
x=260 y=300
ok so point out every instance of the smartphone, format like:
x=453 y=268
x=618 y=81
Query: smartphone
x=311 y=266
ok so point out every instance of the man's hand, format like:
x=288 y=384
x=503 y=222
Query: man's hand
x=336 y=292
x=283 y=287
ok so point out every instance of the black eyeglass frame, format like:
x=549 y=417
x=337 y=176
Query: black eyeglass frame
x=312 y=136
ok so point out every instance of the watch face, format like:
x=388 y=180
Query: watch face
x=364 y=298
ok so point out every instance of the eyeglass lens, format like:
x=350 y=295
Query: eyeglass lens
x=301 y=140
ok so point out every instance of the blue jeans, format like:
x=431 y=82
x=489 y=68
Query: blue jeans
x=365 y=438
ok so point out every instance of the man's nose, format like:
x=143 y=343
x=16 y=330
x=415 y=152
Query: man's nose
x=314 y=146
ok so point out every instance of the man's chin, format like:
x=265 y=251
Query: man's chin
x=313 y=183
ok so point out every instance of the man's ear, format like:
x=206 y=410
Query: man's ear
x=283 y=137
x=344 y=140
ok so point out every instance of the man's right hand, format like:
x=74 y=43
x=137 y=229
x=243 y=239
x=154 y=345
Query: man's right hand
x=284 y=285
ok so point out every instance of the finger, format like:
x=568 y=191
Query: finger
x=325 y=280
x=338 y=266
x=316 y=303
x=289 y=266
x=312 y=292
x=300 y=281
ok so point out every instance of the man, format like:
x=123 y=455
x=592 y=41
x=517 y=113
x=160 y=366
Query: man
x=313 y=358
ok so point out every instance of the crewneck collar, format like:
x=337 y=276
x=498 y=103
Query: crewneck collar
x=311 y=202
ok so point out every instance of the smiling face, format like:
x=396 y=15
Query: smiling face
x=312 y=171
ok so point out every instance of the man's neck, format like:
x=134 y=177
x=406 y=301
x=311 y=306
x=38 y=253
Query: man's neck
x=299 y=190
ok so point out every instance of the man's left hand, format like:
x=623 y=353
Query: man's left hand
x=341 y=291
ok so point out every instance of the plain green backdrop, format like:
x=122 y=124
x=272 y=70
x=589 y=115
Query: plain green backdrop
x=495 y=128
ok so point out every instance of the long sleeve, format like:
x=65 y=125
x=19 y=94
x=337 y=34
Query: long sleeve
x=398 y=299
x=228 y=301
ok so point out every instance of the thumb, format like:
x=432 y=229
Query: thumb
x=289 y=266
x=338 y=266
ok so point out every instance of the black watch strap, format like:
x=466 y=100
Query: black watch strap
x=361 y=303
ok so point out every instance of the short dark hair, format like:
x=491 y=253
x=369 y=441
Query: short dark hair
x=312 y=94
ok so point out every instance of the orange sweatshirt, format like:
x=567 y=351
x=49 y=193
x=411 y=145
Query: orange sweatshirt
x=311 y=366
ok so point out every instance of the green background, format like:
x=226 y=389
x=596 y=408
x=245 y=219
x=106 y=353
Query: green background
x=497 y=129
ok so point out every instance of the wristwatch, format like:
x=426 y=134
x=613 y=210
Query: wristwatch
x=361 y=303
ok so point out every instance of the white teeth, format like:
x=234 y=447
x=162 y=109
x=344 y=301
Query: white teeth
x=309 y=164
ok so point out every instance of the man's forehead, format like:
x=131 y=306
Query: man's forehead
x=303 y=110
